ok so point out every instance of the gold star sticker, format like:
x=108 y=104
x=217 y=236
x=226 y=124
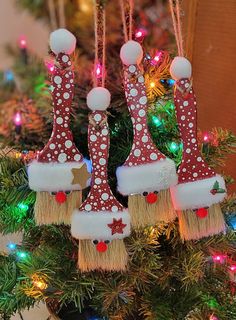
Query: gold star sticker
x=80 y=176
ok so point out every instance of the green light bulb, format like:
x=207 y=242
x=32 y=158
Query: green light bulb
x=174 y=147
x=156 y=121
x=21 y=254
x=23 y=207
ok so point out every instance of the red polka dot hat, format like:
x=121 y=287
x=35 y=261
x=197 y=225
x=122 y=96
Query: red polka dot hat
x=57 y=165
x=198 y=185
x=146 y=169
x=101 y=217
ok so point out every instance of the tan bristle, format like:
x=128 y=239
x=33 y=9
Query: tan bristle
x=192 y=227
x=143 y=214
x=114 y=259
x=48 y=211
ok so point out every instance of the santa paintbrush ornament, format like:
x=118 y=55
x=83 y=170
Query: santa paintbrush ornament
x=59 y=173
x=147 y=174
x=200 y=189
x=101 y=222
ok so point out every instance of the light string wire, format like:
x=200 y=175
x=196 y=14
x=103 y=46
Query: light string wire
x=100 y=41
x=175 y=14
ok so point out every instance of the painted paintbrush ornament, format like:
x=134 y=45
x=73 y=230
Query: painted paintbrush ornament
x=200 y=189
x=59 y=173
x=146 y=174
x=101 y=222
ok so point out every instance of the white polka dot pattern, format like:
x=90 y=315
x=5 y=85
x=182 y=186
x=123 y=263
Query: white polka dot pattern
x=143 y=149
x=100 y=197
x=60 y=147
x=193 y=167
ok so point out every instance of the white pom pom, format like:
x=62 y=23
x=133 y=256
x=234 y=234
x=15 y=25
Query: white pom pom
x=62 y=40
x=131 y=53
x=98 y=98
x=180 y=68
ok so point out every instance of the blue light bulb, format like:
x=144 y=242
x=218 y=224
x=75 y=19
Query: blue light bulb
x=11 y=246
x=232 y=221
x=171 y=82
x=8 y=76
x=89 y=164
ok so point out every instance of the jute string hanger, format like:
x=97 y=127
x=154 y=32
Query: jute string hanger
x=150 y=202
x=61 y=23
x=175 y=14
x=100 y=44
x=99 y=247
x=127 y=15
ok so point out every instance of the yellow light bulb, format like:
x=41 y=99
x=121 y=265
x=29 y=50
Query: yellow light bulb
x=85 y=6
x=152 y=231
x=40 y=284
x=152 y=84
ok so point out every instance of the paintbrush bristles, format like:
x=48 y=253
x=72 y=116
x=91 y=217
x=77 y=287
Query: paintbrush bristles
x=143 y=214
x=48 y=211
x=193 y=228
x=114 y=259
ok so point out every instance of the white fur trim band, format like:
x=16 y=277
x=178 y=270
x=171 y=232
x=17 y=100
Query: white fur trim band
x=94 y=225
x=53 y=177
x=197 y=194
x=155 y=176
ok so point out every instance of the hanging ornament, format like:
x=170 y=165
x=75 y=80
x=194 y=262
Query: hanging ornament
x=199 y=188
x=101 y=222
x=59 y=172
x=146 y=171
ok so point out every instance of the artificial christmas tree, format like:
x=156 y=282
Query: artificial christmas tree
x=166 y=277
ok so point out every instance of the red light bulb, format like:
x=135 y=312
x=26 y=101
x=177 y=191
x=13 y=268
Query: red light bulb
x=98 y=70
x=17 y=119
x=50 y=66
x=233 y=268
x=140 y=34
x=22 y=42
x=206 y=137
x=219 y=258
